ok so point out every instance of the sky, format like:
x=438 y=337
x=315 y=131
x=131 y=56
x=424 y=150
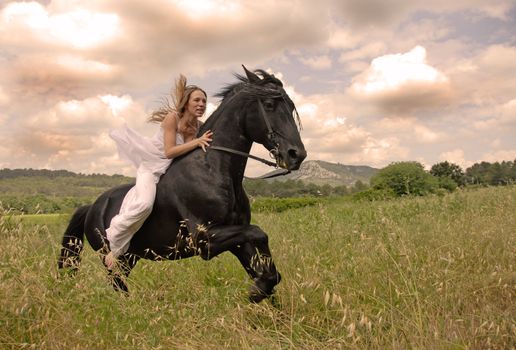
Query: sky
x=374 y=81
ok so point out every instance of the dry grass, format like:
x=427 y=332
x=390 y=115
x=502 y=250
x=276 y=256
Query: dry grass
x=425 y=273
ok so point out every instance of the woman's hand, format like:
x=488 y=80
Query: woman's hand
x=204 y=140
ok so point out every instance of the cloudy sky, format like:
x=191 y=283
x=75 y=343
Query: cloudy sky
x=375 y=81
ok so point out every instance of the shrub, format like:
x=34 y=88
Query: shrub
x=372 y=194
x=447 y=183
x=405 y=178
x=281 y=204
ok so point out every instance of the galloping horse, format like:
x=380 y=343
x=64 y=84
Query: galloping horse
x=201 y=207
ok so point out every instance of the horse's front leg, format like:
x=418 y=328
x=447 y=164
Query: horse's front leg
x=250 y=245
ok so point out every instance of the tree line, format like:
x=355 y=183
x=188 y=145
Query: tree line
x=297 y=188
x=15 y=173
x=410 y=178
x=49 y=191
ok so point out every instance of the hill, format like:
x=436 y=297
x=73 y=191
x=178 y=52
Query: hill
x=33 y=191
x=335 y=174
x=56 y=182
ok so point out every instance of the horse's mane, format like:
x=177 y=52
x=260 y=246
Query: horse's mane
x=267 y=86
x=244 y=82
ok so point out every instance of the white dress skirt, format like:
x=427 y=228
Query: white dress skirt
x=148 y=156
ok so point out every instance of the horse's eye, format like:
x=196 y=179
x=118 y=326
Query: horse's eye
x=269 y=105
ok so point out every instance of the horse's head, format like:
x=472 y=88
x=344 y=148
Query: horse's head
x=271 y=119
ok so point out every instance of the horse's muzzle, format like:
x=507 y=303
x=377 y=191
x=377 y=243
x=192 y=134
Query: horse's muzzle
x=293 y=158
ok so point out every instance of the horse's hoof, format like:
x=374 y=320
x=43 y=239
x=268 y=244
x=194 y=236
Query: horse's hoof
x=263 y=287
x=256 y=294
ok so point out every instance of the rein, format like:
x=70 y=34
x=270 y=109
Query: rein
x=275 y=173
x=243 y=154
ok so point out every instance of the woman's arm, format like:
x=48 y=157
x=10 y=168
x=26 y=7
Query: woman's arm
x=172 y=150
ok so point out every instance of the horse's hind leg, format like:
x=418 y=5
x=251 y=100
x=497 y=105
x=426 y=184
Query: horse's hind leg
x=119 y=274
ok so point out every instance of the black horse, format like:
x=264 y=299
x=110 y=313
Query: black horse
x=201 y=207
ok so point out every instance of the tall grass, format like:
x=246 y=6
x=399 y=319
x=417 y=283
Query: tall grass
x=426 y=273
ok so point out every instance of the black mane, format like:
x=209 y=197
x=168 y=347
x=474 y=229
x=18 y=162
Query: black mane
x=244 y=82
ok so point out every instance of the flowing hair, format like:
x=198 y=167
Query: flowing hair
x=180 y=97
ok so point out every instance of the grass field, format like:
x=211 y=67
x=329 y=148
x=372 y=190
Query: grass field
x=422 y=273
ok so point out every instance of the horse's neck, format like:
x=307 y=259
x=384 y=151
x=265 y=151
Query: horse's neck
x=228 y=132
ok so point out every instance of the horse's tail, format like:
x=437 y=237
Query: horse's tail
x=73 y=240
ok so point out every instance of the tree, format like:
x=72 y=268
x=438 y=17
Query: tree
x=405 y=178
x=495 y=174
x=448 y=170
x=359 y=186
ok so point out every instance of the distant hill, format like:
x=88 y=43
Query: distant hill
x=335 y=174
x=32 y=191
x=56 y=182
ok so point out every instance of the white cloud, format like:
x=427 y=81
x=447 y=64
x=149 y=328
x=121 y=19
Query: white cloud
x=341 y=38
x=499 y=155
x=4 y=98
x=80 y=64
x=88 y=116
x=378 y=13
x=79 y=28
x=455 y=156
x=317 y=62
x=73 y=135
x=77 y=49
x=508 y=113
x=364 y=52
x=391 y=72
x=503 y=117
x=402 y=82
x=426 y=135
x=383 y=151
x=487 y=78
x=202 y=9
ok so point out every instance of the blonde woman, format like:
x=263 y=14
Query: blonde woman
x=152 y=156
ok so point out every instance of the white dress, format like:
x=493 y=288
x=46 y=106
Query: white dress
x=148 y=156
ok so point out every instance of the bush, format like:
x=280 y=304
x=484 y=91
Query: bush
x=447 y=183
x=372 y=194
x=405 y=178
x=281 y=204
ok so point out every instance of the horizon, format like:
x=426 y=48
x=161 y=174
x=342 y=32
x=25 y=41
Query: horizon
x=374 y=82
x=311 y=160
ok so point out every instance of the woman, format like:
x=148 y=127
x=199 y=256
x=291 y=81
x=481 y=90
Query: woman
x=152 y=157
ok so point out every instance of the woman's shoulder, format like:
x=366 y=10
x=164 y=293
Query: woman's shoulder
x=170 y=121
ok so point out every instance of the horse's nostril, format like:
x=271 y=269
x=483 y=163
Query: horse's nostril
x=296 y=154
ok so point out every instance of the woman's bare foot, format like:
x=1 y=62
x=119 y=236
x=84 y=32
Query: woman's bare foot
x=110 y=261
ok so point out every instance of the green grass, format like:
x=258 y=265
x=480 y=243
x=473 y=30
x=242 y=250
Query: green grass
x=423 y=273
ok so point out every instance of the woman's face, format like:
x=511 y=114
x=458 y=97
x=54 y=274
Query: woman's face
x=196 y=104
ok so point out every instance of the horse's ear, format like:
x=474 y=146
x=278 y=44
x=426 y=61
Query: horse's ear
x=253 y=78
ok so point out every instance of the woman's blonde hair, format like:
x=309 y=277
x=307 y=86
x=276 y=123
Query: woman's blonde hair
x=180 y=98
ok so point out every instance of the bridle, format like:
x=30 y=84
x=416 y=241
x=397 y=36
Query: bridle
x=272 y=137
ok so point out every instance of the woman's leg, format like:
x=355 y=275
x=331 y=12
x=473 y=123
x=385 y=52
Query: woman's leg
x=136 y=207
